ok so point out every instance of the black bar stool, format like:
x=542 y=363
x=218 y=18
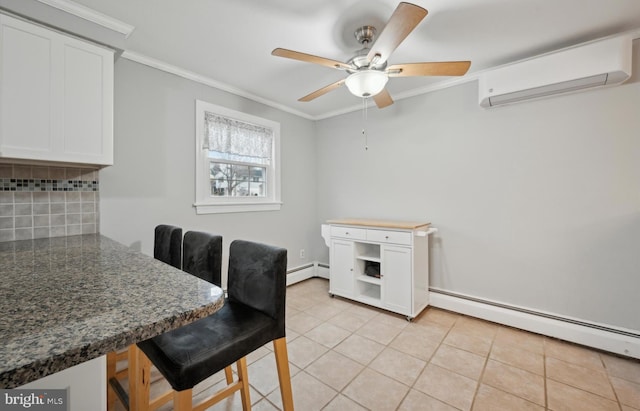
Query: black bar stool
x=202 y=257
x=253 y=315
x=167 y=247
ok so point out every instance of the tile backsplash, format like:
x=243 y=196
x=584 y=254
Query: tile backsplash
x=40 y=201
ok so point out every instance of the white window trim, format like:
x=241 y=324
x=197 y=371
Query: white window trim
x=205 y=203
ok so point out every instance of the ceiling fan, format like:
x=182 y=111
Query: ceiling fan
x=368 y=69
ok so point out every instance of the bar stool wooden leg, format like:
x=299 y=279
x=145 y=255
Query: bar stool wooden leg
x=182 y=400
x=111 y=373
x=139 y=379
x=228 y=373
x=243 y=379
x=284 y=375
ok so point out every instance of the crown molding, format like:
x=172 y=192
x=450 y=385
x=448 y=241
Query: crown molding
x=91 y=15
x=207 y=81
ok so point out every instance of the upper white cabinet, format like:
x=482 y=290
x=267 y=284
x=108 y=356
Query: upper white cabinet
x=56 y=96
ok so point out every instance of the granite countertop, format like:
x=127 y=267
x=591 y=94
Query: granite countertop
x=405 y=225
x=67 y=300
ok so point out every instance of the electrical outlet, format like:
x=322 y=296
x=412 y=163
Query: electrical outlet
x=302 y=253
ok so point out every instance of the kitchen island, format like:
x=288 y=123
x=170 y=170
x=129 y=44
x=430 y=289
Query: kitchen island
x=380 y=262
x=68 y=300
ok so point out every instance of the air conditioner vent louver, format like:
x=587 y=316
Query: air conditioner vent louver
x=606 y=62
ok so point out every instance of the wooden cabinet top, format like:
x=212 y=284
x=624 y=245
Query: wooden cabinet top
x=405 y=225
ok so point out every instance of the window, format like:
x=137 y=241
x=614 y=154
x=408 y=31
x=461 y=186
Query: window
x=237 y=161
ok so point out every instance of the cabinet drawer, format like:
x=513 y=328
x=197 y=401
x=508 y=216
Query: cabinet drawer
x=394 y=237
x=349 y=232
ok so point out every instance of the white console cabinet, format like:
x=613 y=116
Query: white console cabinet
x=381 y=263
x=56 y=96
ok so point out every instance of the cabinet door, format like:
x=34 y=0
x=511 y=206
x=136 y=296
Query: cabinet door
x=341 y=280
x=87 y=99
x=26 y=90
x=396 y=279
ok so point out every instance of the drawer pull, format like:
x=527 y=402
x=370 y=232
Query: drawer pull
x=386 y=237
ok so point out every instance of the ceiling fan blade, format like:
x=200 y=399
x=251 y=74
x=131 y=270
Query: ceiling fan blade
x=322 y=91
x=383 y=99
x=402 y=22
x=309 y=58
x=444 y=68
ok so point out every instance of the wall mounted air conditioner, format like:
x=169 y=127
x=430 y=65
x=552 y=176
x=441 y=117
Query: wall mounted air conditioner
x=600 y=63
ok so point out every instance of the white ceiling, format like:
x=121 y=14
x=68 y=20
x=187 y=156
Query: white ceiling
x=230 y=42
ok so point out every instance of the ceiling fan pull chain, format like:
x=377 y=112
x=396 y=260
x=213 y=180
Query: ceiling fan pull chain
x=364 y=122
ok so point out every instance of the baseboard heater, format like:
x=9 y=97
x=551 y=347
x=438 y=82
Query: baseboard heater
x=536 y=313
x=300 y=268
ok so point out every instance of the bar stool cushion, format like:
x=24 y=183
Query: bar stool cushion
x=187 y=355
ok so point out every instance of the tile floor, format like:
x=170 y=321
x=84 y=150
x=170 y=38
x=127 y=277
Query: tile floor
x=347 y=356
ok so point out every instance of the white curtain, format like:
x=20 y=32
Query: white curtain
x=237 y=141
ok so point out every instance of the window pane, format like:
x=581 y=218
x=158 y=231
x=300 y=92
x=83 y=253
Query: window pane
x=220 y=176
x=237 y=180
x=240 y=176
x=258 y=174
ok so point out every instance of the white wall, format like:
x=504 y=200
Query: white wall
x=152 y=181
x=538 y=204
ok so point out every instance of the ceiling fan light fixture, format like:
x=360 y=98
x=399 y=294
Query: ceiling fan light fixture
x=366 y=83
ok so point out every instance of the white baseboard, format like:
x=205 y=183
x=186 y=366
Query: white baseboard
x=596 y=336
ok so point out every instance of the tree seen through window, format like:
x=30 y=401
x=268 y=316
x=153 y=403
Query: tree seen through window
x=237 y=180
